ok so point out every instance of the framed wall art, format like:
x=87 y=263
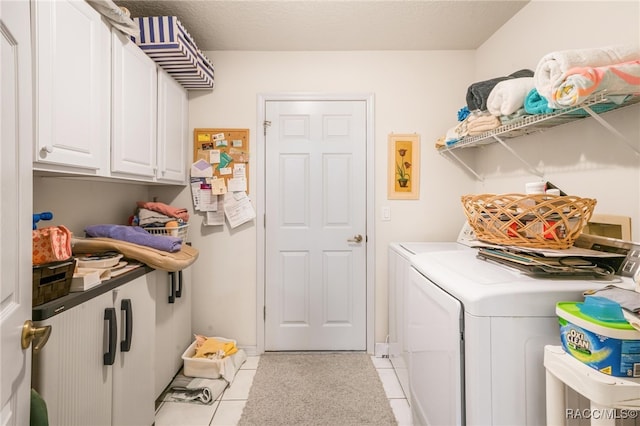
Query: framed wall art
x=404 y=167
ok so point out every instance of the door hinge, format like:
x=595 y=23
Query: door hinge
x=266 y=124
x=264 y=312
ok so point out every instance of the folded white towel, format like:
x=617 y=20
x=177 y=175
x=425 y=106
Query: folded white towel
x=551 y=68
x=508 y=96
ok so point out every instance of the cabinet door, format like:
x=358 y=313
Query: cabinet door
x=173 y=328
x=133 y=370
x=72 y=48
x=134 y=109
x=173 y=136
x=69 y=371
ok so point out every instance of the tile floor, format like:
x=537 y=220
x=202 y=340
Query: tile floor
x=226 y=411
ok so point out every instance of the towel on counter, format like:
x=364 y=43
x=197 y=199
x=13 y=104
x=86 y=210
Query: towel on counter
x=508 y=96
x=478 y=93
x=552 y=67
x=177 y=212
x=135 y=235
x=580 y=82
x=157 y=259
x=534 y=103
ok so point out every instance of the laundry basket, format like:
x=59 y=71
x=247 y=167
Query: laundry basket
x=179 y=231
x=535 y=220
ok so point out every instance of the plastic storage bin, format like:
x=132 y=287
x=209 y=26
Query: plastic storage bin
x=609 y=345
x=202 y=367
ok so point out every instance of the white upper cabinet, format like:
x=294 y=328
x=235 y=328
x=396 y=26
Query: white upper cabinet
x=134 y=110
x=173 y=134
x=72 y=86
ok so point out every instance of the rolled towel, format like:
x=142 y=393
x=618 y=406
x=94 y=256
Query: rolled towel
x=477 y=93
x=534 y=103
x=508 y=96
x=135 y=235
x=551 y=67
x=581 y=82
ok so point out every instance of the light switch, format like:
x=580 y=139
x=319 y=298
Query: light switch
x=386 y=213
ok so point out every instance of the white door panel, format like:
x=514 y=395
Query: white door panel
x=315 y=290
x=16 y=133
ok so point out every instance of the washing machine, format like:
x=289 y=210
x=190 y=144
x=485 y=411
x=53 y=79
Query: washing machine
x=475 y=337
x=399 y=263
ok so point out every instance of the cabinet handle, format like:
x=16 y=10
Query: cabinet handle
x=110 y=357
x=172 y=287
x=179 y=290
x=125 y=305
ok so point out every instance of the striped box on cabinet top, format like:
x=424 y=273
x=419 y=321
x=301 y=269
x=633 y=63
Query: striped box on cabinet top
x=167 y=42
x=199 y=78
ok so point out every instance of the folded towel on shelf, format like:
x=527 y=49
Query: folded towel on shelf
x=508 y=96
x=480 y=123
x=135 y=235
x=508 y=119
x=478 y=93
x=581 y=82
x=535 y=103
x=551 y=68
x=148 y=217
x=176 y=212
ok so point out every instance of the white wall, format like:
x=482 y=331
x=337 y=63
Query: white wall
x=583 y=157
x=413 y=93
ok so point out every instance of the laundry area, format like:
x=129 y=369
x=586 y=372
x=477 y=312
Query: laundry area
x=302 y=212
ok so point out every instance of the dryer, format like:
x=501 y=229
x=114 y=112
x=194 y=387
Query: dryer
x=399 y=255
x=475 y=335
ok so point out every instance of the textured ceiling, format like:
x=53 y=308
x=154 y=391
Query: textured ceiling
x=306 y=25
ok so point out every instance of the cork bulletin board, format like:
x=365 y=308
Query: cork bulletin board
x=225 y=149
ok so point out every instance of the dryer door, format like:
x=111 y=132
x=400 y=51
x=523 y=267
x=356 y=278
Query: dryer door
x=435 y=345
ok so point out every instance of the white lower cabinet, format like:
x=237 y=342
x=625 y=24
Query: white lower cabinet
x=173 y=324
x=97 y=367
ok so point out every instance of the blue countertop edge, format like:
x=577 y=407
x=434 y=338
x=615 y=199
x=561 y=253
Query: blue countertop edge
x=61 y=304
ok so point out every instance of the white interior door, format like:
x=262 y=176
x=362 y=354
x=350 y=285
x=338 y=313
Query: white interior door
x=315 y=239
x=15 y=209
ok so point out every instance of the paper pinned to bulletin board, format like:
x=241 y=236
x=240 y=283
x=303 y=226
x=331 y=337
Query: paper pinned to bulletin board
x=220 y=176
x=227 y=150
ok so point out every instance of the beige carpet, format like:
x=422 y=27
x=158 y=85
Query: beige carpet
x=317 y=389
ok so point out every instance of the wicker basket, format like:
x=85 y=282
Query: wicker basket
x=180 y=231
x=538 y=220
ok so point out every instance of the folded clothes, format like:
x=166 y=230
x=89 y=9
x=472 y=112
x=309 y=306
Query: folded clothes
x=148 y=217
x=508 y=96
x=478 y=93
x=552 y=66
x=534 y=103
x=508 y=119
x=581 y=82
x=177 y=212
x=136 y=235
x=477 y=124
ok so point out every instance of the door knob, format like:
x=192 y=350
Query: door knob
x=29 y=332
x=355 y=239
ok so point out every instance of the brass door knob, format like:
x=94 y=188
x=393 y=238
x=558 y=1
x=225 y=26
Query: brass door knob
x=29 y=333
x=355 y=239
